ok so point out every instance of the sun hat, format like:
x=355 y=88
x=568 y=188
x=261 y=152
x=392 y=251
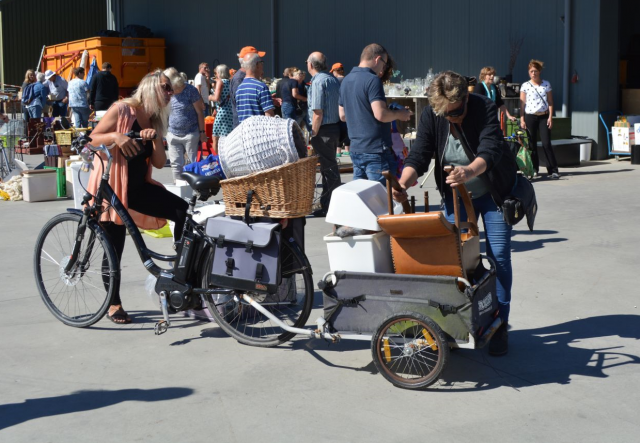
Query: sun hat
x=48 y=74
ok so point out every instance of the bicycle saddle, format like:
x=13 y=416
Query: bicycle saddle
x=201 y=182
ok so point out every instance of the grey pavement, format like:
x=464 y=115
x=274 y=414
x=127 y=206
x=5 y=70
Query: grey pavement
x=571 y=375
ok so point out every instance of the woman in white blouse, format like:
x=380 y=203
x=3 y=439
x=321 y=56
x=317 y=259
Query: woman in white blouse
x=536 y=99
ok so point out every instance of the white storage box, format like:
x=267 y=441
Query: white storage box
x=358 y=204
x=78 y=186
x=202 y=213
x=622 y=139
x=181 y=189
x=360 y=253
x=39 y=185
x=68 y=173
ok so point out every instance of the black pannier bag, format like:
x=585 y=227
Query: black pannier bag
x=360 y=302
x=246 y=256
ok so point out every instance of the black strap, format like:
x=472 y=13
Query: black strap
x=220 y=241
x=249 y=246
x=541 y=97
x=230 y=262
x=259 y=272
x=350 y=303
x=247 y=208
x=484 y=177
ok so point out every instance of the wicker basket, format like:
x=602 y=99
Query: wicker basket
x=260 y=143
x=281 y=192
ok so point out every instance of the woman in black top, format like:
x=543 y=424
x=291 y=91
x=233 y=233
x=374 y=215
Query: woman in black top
x=487 y=88
x=148 y=202
x=453 y=112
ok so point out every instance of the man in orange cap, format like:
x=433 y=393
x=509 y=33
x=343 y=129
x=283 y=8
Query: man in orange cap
x=338 y=71
x=238 y=78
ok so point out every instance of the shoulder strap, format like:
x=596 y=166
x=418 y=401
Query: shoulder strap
x=541 y=97
x=484 y=176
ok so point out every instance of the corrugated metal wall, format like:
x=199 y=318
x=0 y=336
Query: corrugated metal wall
x=27 y=25
x=204 y=30
x=461 y=35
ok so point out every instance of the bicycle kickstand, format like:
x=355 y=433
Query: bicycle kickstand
x=162 y=326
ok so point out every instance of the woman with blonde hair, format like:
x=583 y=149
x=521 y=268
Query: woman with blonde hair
x=186 y=122
x=536 y=102
x=488 y=89
x=148 y=202
x=221 y=96
x=29 y=77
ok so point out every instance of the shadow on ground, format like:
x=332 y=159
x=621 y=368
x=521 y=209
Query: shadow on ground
x=33 y=408
x=552 y=354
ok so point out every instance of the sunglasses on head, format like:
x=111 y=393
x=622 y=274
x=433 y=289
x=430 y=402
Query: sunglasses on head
x=166 y=86
x=458 y=111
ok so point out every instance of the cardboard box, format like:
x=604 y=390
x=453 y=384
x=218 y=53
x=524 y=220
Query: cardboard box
x=622 y=139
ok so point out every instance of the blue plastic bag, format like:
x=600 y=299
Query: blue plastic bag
x=208 y=166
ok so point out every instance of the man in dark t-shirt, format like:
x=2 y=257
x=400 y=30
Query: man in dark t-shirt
x=363 y=106
x=104 y=89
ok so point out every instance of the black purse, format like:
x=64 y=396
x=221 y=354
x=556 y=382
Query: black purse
x=520 y=202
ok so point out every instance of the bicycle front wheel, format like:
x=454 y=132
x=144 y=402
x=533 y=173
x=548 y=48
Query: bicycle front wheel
x=291 y=304
x=81 y=296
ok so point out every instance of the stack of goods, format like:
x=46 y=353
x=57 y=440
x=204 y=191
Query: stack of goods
x=623 y=135
x=54 y=158
x=262 y=155
x=34 y=144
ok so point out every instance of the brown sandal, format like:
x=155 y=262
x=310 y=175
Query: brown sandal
x=119 y=317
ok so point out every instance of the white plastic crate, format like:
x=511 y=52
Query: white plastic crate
x=360 y=253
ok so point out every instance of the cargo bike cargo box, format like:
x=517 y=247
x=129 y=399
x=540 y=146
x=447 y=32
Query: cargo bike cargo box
x=361 y=302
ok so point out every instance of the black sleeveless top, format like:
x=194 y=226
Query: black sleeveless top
x=139 y=164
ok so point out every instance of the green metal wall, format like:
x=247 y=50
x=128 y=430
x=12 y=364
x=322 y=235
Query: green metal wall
x=27 y=25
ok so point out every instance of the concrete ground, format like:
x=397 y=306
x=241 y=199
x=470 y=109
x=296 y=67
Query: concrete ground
x=571 y=375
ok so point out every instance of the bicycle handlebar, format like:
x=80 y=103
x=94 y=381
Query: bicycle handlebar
x=136 y=135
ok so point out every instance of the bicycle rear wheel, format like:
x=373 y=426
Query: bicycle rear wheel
x=291 y=304
x=81 y=296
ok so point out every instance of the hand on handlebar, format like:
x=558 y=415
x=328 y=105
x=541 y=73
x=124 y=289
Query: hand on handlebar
x=129 y=146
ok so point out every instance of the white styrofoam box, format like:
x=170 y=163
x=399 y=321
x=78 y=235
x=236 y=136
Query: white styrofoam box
x=636 y=134
x=78 y=186
x=585 y=151
x=358 y=204
x=360 y=253
x=203 y=213
x=68 y=173
x=40 y=185
x=622 y=139
x=181 y=189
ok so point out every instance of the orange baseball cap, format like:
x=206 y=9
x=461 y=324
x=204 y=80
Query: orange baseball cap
x=336 y=66
x=250 y=50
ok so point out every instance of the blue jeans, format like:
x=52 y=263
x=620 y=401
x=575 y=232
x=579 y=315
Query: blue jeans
x=288 y=111
x=35 y=111
x=81 y=116
x=58 y=109
x=207 y=109
x=370 y=166
x=497 y=243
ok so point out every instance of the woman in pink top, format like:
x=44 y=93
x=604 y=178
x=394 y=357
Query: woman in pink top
x=148 y=202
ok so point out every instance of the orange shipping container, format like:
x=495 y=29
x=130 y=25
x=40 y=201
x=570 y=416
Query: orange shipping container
x=130 y=58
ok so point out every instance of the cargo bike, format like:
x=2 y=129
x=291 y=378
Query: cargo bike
x=256 y=282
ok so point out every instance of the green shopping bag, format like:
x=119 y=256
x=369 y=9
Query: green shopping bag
x=523 y=159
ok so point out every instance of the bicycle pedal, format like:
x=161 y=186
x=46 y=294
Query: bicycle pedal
x=161 y=327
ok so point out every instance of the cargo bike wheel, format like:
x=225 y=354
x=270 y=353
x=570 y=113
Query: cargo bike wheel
x=410 y=350
x=291 y=304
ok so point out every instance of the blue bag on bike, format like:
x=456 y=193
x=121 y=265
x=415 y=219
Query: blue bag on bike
x=247 y=256
x=208 y=166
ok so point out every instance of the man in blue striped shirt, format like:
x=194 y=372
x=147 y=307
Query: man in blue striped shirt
x=253 y=96
x=323 y=97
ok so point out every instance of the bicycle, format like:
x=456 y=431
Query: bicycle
x=76 y=268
